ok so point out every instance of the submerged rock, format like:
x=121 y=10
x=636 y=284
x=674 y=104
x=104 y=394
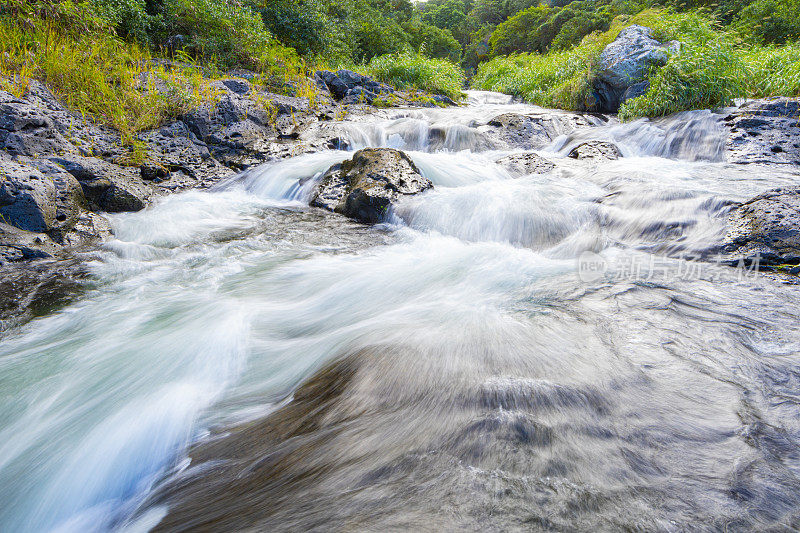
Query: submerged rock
x=365 y=187
x=766 y=228
x=765 y=131
x=624 y=65
x=596 y=150
x=526 y=163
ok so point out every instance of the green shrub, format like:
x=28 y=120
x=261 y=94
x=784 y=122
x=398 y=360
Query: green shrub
x=376 y=36
x=128 y=17
x=299 y=24
x=701 y=76
x=432 y=41
x=413 y=71
x=227 y=32
x=770 y=21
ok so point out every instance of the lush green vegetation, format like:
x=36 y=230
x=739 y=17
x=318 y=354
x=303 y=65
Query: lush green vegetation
x=97 y=54
x=412 y=71
x=717 y=63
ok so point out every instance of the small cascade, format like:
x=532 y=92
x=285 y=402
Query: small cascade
x=687 y=136
x=459 y=364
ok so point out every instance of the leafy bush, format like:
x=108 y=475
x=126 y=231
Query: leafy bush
x=770 y=21
x=701 y=76
x=376 y=36
x=111 y=81
x=227 y=32
x=299 y=24
x=128 y=17
x=413 y=71
x=432 y=41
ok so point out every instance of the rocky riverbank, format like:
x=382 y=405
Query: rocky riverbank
x=61 y=171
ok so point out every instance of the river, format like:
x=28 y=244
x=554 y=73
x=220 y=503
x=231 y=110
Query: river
x=506 y=353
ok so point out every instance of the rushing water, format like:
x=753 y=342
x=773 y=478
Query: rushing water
x=490 y=386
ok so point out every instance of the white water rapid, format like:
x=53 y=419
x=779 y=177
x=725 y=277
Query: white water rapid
x=507 y=392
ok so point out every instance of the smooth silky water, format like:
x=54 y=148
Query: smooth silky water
x=489 y=385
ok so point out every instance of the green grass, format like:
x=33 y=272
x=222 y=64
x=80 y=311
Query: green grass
x=409 y=71
x=101 y=77
x=715 y=66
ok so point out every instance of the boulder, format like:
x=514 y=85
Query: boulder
x=764 y=131
x=240 y=130
x=174 y=150
x=766 y=228
x=625 y=63
x=17 y=244
x=530 y=132
x=595 y=150
x=351 y=87
x=38 y=196
x=107 y=187
x=526 y=163
x=366 y=186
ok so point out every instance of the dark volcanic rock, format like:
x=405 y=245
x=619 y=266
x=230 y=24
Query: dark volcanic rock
x=765 y=131
x=365 y=187
x=624 y=65
x=107 y=187
x=527 y=163
x=767 y=227
x=38 y=196
x=351 y=87
x=597 y=150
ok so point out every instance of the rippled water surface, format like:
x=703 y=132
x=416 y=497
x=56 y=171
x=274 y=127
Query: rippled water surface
x=459 y=373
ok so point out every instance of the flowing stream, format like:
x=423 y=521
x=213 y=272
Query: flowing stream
x=491 y=383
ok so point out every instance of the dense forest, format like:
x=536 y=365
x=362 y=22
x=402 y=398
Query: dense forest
x=92 y=52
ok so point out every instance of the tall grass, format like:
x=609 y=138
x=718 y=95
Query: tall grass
x=714 y=67
x=110 y=81
x=409 y=70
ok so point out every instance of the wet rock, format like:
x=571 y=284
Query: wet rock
x=595 y=150
x=239 y=130
x=441 y=99
x=351 y=87
x=365 y=187
x=107 y=187
x=625 y=63
x=766 y=228
x=17 y=244
x=237 y=86
x=530 y=132
x=764 y=131
x=359 y=95
x=38 y=287
x=38 y=196
x=175 y=148
x=524 y=164
x=26 y=129
x=90 y=228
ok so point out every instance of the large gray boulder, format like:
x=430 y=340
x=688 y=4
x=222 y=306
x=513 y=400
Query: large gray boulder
x=766 y=228
x=107 y=187
x=764 y=131
x=38 y=196
x=624 y=65
x=596 y=150
x=529 y=131
x=351 y=87
x=365 y=187
x=526 y=163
